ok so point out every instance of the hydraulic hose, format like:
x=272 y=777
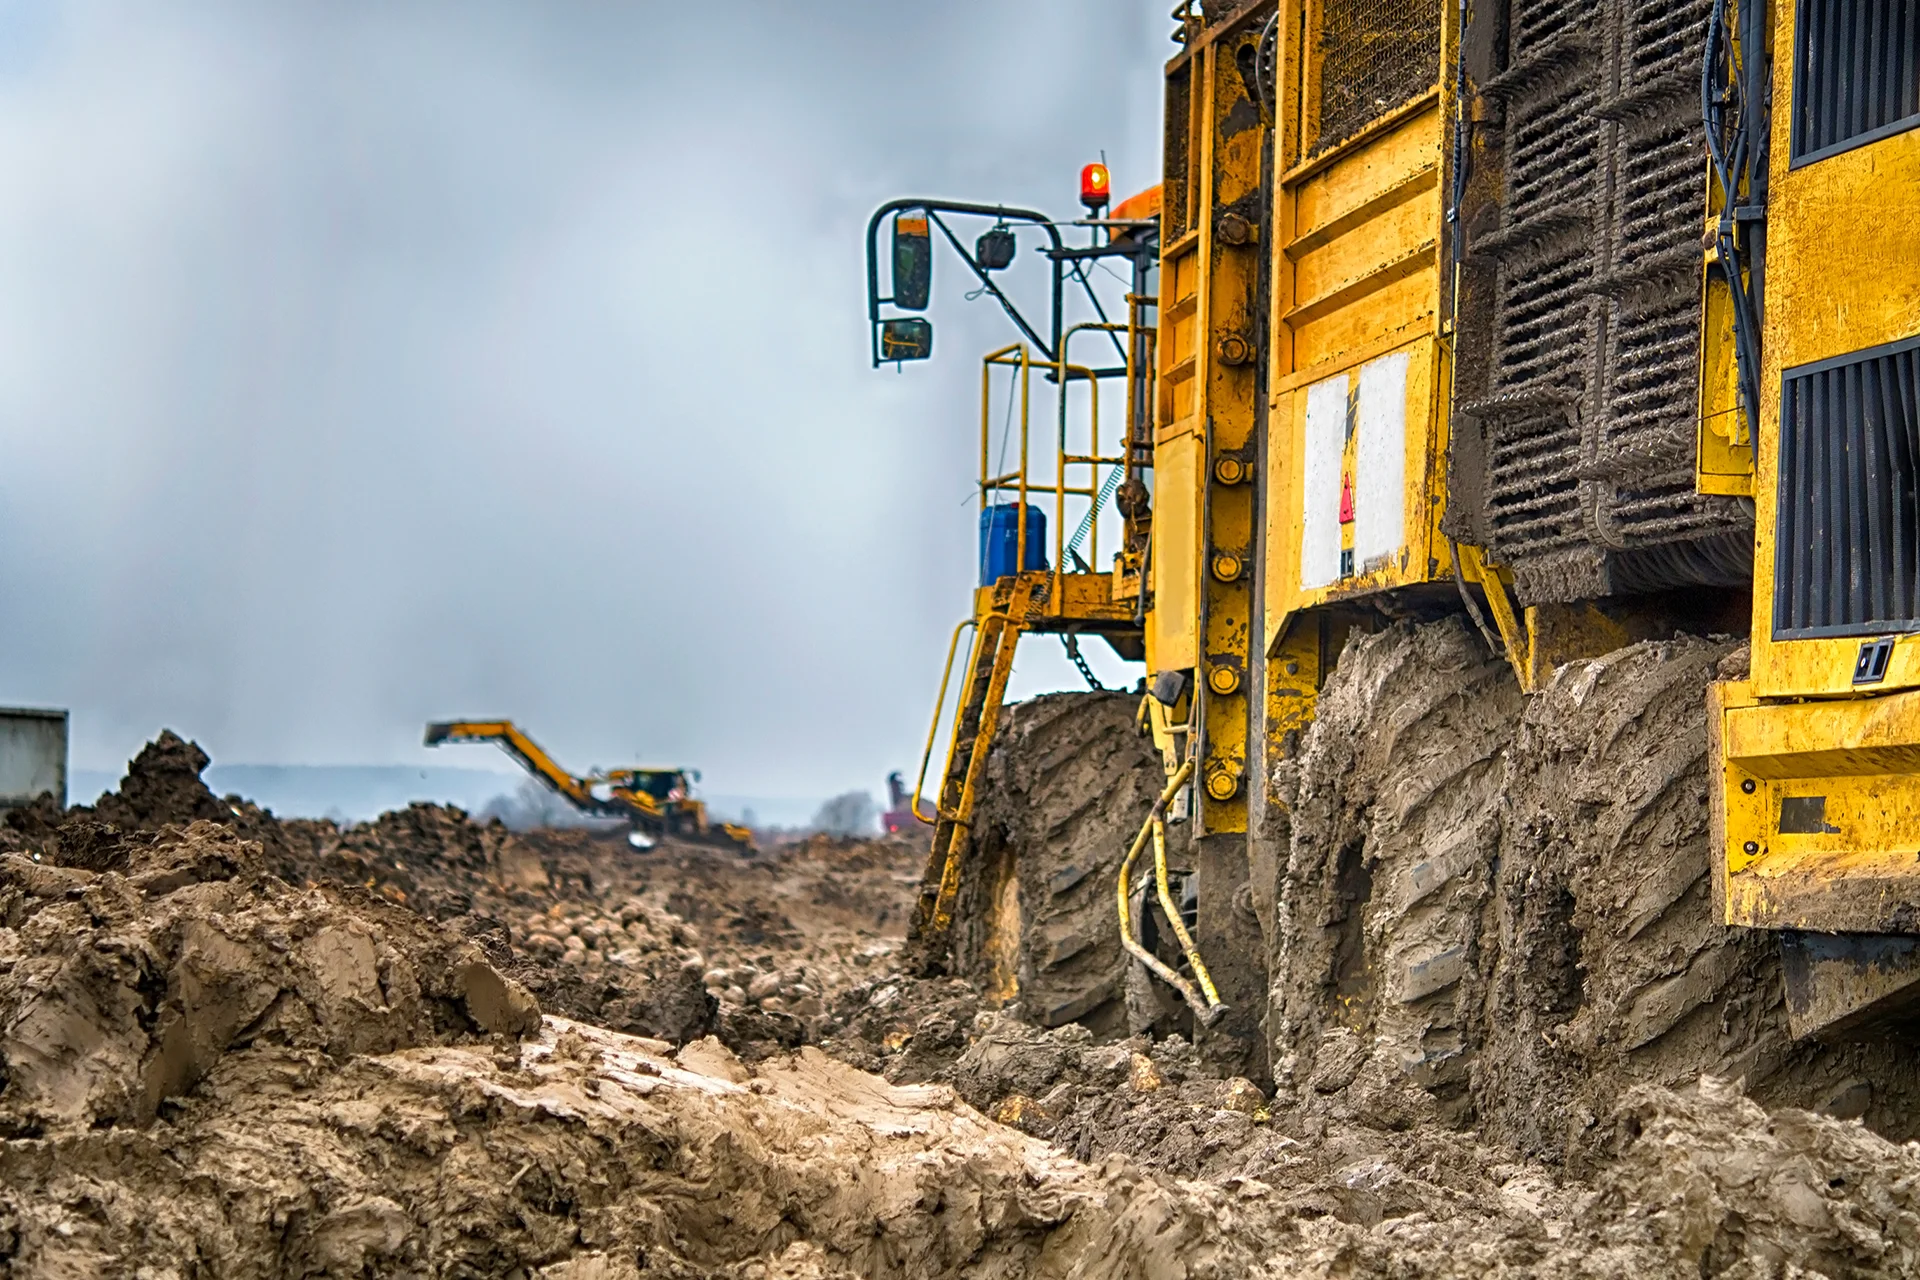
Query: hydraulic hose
x=1207 y=1010
x=1187 y=945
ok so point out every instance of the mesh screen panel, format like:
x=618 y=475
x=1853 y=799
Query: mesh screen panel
x=1175 y=178
x=1587 y=407
x=1374 y=55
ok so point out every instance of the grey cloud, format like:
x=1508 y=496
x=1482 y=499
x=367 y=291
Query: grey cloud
x=362 y=363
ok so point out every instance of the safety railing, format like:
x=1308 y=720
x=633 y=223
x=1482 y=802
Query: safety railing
x=933 y=730
x=1020 y=483
x=1064 y=480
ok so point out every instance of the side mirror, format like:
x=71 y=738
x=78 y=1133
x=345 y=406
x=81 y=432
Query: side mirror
x=912 y=260
x=907 y=338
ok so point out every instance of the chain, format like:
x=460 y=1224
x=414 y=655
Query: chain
x=1073 y=651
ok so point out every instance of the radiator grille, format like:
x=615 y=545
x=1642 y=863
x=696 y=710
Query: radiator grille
x=1374 y=56
x=1848 y=545
x=1856 y=73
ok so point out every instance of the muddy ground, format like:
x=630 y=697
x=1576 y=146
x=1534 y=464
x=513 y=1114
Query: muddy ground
x=235 y=1046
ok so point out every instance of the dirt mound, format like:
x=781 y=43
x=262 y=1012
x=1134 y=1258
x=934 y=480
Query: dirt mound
x=587 y=1153
x=1507 y=902
x=687 y=940
x=123 y=986
x=162 y=785
x=595 y=929
x=211 y=1070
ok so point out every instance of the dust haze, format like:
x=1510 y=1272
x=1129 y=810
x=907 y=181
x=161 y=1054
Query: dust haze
x=367 y=363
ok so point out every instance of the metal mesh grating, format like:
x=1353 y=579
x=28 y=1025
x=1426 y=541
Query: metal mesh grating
x=1847 y=550
x=1535 y=490
x=1587 y=411
x=1538 y=23
x=1374 y=55
x=1856 y=72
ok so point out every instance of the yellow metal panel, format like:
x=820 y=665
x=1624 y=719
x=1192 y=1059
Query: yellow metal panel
x=1356 y=277
x=1407 y=156
x=1398 y=308
x=1280 y=493
x=1843 y=250
x=1818 y=739
x=1818 y=813
x=1423 y=558
x=1182 y=331
x=1399 y=234
x=1182 y=275
x=1173 y=625
x=1072 y=598
x=1294 y=675
x=1723 y=449
x=1229 y=404
x=1843 y=274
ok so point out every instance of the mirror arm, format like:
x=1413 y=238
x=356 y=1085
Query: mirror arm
x=934 y=207
x=1006 y=303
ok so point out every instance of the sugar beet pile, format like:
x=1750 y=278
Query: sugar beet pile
x=239 y=1046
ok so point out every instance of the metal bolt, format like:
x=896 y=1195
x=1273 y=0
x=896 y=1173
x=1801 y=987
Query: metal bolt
x=1223 y=680
x=1221 y=784
x=1235 y=349
x=1748 y=786
x=1752 y=847
x=1229 y=471
x=1226 y=566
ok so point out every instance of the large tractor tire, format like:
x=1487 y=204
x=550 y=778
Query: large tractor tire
x=1498 y=909
x=1069 y=780
x=1394 y=801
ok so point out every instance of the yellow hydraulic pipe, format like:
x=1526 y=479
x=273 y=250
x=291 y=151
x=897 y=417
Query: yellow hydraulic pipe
x=1020 y=538
x=1207 y=1012
x=1173 y=914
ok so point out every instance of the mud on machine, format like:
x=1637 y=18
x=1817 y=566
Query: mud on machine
x=1585 y=322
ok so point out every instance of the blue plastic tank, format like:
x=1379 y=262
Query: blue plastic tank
x=1000 y=541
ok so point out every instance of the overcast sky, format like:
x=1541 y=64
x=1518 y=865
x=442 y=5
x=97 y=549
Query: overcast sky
x=369 y=362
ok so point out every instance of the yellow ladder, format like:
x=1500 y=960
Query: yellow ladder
x=1015 y=600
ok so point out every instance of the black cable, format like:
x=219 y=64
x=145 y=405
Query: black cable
x=1724 y=114
x=1080 y=274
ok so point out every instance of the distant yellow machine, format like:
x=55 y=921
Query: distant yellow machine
x=656 y=802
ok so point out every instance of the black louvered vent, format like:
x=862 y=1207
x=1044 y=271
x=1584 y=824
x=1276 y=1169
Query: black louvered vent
x=1856 y=73
x=1848 y=550
x=1374 y=56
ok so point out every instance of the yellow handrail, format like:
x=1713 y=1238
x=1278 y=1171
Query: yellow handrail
x=933 y=730
x=1065 y=373
x=1018 y=358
